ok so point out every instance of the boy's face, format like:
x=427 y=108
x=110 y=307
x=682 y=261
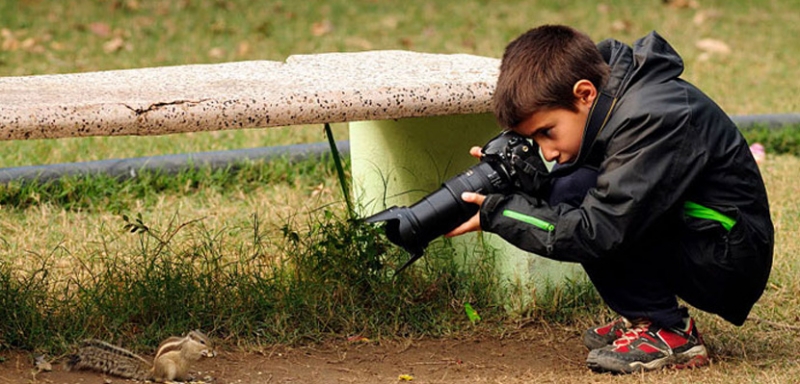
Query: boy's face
x=558 y=132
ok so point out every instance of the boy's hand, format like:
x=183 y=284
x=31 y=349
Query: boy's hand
x=475 y=152
x=474 y=222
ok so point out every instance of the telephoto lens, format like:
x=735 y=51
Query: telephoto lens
x=412 y=228
x=509 y=161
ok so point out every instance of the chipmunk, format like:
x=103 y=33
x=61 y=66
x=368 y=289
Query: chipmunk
x=173 y=357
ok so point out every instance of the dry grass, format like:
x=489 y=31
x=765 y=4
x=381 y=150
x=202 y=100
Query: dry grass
x=47 y=230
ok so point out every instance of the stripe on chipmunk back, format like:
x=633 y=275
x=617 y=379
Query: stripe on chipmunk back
x=171 y=344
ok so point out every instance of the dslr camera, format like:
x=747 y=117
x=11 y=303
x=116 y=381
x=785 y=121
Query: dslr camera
x=509 y=162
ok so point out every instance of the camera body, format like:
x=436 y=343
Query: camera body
x=509 y=162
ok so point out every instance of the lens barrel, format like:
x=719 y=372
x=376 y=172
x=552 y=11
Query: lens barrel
x=438 y=213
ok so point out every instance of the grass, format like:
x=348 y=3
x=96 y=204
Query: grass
x=70 y=269
x=295 y=278
x=48 y=36
x=105 y=193
x=73 y=254
x=277 y=238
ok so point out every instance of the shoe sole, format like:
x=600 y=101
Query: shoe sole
x=693 y=358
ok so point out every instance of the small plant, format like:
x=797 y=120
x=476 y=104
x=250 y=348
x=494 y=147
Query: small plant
x=135 y=226
x=23 y=324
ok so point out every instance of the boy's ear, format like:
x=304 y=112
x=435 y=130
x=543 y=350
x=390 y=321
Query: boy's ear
x=584 y=92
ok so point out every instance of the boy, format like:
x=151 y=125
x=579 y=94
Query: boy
x=655 y=191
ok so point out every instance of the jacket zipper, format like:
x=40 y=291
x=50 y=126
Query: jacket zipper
x=536 y=222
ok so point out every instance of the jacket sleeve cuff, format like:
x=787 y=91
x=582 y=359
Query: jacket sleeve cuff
x=489 y=208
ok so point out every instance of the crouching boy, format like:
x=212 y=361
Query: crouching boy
x=655 y=192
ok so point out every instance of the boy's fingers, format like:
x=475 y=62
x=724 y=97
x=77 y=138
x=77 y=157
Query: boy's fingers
x=460 y=230
x=474 y=222
x=471 y=225
x=475 y=152
x=472 y=197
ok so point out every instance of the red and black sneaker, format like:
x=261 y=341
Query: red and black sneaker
x=646 y=347
x=601 y=336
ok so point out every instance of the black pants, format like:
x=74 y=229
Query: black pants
x=634 y=285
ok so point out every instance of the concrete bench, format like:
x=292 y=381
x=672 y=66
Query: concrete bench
x=412 y=116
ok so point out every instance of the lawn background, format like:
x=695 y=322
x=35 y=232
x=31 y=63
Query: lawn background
x=74 y=253
x=749 y=69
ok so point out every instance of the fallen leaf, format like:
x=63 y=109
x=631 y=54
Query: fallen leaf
x=10 y=42
x=132 y=5
x=113 y=45
x=321 y=28
x=28 y=44
x=406 y=42
x=620 y=25
x=390 y=22
x=216 y=53
x=358 y=339
x=100 y=29
x=682 y=3
x=243 y=49
x=405 y=377
x=702 y=16
x=713 y=46
x=358 y=42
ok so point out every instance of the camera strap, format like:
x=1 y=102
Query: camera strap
x=598 y=117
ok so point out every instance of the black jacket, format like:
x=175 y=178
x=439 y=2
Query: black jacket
x=665 y=144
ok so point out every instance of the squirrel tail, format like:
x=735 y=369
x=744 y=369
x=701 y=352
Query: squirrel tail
x=100 y=356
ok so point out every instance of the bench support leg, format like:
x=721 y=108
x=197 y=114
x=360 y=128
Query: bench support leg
x=397 y=162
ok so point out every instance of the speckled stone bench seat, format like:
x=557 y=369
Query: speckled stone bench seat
x=321 y=88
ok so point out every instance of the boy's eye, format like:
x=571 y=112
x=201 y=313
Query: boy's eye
x=545 y=131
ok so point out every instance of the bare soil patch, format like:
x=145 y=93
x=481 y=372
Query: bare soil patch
x=476 y=359
x=534 y=354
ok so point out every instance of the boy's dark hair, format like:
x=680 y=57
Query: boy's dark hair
x=539 y=70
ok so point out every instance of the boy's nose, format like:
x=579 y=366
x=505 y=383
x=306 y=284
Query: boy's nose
x=550 y=154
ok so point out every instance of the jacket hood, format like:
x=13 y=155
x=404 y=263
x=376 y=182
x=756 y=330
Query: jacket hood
x=651 y=59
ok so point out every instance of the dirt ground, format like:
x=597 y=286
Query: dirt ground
x=531 y=355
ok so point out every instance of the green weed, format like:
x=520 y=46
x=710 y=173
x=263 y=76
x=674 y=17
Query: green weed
x=24 y=324
x=782 y=140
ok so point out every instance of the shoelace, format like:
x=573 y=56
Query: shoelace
x=632 y=333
